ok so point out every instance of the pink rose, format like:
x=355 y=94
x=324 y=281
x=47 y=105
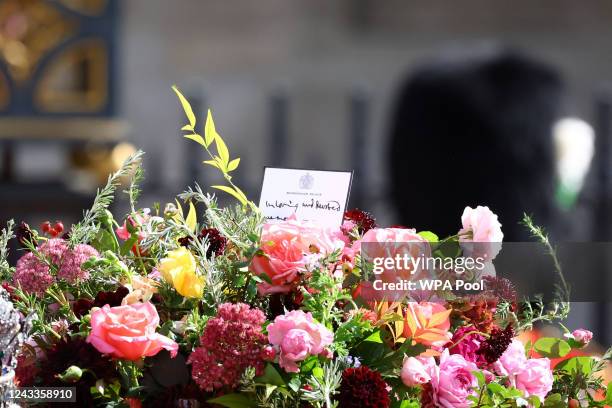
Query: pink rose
x=384 y=243
x=452 y=382
x=481 y=234
x=297 y=336
x=512 y=361
x=535 y=378
x=532 y=376
x=581 y=336
x=415 y=371
x=288 y=247
x=128 y=332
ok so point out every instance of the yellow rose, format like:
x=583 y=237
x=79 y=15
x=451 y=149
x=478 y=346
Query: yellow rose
x=179 y=269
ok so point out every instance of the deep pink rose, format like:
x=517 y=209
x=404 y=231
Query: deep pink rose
x=466 y=341
x=452 y=382
x=582 y=336
x=384 y=243
x=535 y=378
x=415 y=370
x=296 y=335
x=128 y=332
x=481 y=233
x=288 y=247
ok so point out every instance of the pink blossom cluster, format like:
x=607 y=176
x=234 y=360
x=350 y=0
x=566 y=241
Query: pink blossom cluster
x=296 y=335
x=70 y=269
x=449 y=383
x=34 y=274
x=232 y=342
x=532 y=376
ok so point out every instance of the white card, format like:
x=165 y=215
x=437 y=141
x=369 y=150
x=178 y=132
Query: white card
x=312 y=195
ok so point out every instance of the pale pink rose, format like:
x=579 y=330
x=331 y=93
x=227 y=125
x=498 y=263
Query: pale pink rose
x=481 y=233
x=288 y=248
x=128 y=332
x=512 y=361
x=535 y=378
x=581 y=336
x=384 y=243
x=452 y=381
x=296 y=335
x=415 y=370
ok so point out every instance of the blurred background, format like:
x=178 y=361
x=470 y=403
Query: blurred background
x=435 y=105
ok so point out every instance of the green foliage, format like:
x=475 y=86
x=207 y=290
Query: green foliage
x=551 y=347
x=5 y=236
x=219 y=160
x=85 y=230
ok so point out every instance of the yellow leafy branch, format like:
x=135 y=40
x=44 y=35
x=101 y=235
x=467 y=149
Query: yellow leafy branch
x=221 y=160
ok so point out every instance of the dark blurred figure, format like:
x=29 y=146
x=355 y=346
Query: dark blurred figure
x=475 y=129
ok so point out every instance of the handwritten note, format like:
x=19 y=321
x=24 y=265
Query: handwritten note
x=312 y=195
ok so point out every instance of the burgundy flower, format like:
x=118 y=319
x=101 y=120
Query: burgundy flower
x=75 y=351
x=216 y=241
x=82 y=306
x=111 y=298
x=363 y=219
x=363 y=388
x=24 y=234
x=493 y=347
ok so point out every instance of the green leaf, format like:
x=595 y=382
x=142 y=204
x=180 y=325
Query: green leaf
x=196 y=138
x=480 y=377
x=213 y=163
x=191 y=220
x=210 y=133
x=555 y=401
x=429 y=236
x=105 y=241
x=222 y=150
x=294 y=383
x=233 y=401
x=608 y=400
x=374 y=337
x=232 y=192
x=551 y=347
x=580 y=364
x=318 y=373
x=186 y=107
x=270 y=376
x=233 y=165
x=187 y=127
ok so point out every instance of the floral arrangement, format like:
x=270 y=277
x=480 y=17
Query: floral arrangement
x=194 y=305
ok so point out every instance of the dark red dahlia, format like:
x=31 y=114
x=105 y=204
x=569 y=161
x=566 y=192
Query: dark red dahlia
x=363 y=388
x=82 y=306
x=76 y=351
x=216 y=241
x=111 y=298
x=493 y=347
x=363 y=219
x=24 y=234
